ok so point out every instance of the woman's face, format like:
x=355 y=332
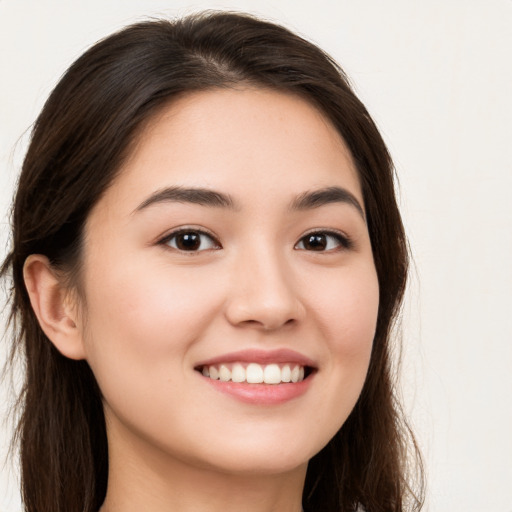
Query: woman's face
x=233 y=244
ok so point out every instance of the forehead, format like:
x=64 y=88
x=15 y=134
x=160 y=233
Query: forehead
x=240 y=140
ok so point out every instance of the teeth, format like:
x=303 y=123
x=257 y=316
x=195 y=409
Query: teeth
x=238 y=373
x=286 y=373
x=214 y=373
x=255 y=373
x=272 y=374
x=224 y=373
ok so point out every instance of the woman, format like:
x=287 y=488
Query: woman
x=207 y=260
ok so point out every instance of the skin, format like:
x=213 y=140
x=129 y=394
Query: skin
x=148 y=312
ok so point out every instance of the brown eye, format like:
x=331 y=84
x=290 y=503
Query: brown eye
x=191 y=241
x=315 y=242
x=322 y=241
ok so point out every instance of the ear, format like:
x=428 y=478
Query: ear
x=53 y=306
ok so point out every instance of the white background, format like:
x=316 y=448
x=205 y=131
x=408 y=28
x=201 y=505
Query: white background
x=437 y=77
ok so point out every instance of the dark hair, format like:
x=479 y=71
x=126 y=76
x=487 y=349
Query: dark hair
x=78 y=144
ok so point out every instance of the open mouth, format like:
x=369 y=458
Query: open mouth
x=254 y=373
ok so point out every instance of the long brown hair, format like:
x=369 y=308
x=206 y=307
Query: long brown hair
x=78 y=144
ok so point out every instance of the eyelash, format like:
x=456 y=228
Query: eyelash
x=343 y=242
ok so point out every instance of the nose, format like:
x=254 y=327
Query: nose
x=264 y=293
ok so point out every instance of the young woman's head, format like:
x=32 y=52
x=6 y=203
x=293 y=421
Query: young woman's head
x=206 y=205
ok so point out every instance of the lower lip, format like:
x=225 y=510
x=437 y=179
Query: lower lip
x=262 y=394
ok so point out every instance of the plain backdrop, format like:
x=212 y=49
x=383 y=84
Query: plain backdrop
x=437 y=78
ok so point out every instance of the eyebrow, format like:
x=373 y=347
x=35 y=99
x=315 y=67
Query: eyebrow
x=323 y=196
x=211 y=198
x=201 y=196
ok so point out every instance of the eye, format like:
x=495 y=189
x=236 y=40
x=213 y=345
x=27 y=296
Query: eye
x=190 y=240
x=323 y=241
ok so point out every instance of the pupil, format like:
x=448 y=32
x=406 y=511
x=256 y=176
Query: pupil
x=316 y=242
x=188 y=241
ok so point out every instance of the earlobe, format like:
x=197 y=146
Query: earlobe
x=56 y=313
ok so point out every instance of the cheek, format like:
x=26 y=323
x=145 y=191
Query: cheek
x=345 y=306
x=140 y=317
x=348 y=310
x=347 y=313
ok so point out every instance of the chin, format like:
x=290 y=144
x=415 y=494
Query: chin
x=252 y=464
x=260 y=456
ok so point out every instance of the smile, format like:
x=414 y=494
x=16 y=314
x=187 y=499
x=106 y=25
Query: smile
x=255 y=373
x=259 y=377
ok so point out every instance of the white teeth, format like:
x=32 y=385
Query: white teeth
x=238 y=373
x=272 y=374
x=255 y=373
x=224 y=373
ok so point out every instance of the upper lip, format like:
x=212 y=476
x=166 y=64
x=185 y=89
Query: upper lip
x=261 y=357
